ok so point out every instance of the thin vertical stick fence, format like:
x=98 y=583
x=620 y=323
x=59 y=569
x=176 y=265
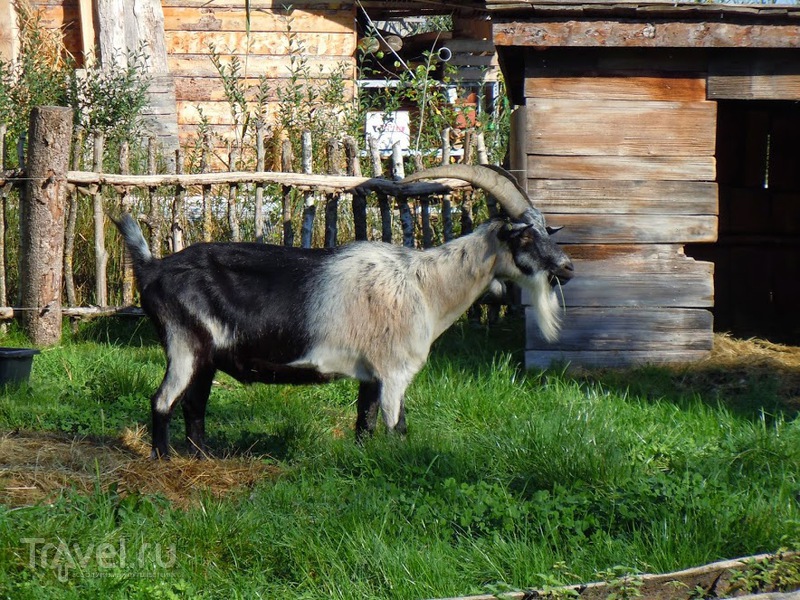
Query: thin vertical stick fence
x=234 y=205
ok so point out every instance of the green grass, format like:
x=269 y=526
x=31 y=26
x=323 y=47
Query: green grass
x=506 y=480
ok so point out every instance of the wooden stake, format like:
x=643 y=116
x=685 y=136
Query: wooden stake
x=42 y=216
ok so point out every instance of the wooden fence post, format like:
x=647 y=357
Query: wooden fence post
x=178 y=203
x=206 y=189
x=3 y=194
x=100 y=253
x=406 y=218
x=42 y=216
x=154 y=218
x=71 y=223
x=233 y=194
x=383 y=199
x=258 y=210
x=309 y=209
x=333 y=151
x=447 y=212
x=126 y=204
x=359 y=197
x=287 y=156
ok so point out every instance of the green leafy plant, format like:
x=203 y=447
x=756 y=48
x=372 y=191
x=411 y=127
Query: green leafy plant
x=623 y=582
x=110 y=99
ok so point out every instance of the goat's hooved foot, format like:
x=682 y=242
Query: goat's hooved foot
x=199 y=453
x=156 y=454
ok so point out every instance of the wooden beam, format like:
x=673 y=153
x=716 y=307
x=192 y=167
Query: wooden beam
x=621 y=128
x=641 y=33
x=634 y=229
x=88 y=37
x=9 y=34
x=638 y=279
x=663 y=168
x=606 y=196
x=541 y=83
x=760 y=78
x=652 y=330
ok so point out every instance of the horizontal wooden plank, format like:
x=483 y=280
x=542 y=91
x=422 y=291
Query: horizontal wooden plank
x=257 y=5
x=638 y=277
x=627 y=329
x=540 y=83
x=214 y=113
x=211 y=89
x=775 y=77
x=272 y=67
x=261 y=42
x=607 y=196
x=211 y=18
x=610 y=359
x=621 y=128
x=634 y=229
x=640 y=33
x=659 y=168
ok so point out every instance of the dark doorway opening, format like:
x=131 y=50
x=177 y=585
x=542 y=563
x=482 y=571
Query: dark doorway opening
x=757 y=255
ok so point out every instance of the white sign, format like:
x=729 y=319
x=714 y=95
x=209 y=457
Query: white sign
x=389 y=128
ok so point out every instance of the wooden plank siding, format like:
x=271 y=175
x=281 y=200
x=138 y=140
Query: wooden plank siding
x=322 y=33
x=621 y=153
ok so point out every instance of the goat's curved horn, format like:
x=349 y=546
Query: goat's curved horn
x=493 y=180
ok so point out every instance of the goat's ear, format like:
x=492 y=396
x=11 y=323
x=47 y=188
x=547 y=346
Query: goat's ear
x=552 y=230
x=505 y=232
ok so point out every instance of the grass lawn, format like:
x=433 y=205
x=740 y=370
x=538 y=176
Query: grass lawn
x=507 y=479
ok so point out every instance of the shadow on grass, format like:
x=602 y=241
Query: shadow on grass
x=752 y=378
x=117 y=331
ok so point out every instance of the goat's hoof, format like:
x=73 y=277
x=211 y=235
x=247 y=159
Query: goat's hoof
x=156 y=454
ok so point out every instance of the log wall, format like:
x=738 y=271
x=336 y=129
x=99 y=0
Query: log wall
x=321 y=33
x=620 y=150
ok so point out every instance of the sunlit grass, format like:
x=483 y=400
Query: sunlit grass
x=504 y=474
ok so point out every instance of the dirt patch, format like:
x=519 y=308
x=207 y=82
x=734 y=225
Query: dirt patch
x=37 y=467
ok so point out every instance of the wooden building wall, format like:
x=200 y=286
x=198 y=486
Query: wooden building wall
x=619 y=148
x=323 y=34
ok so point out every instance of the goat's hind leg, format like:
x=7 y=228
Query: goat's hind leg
x=194 y=403
x=369 y=393
x=180 y=373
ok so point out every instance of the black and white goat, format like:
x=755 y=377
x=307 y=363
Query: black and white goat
x=365 y=310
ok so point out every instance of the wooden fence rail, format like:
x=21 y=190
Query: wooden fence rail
x=160 y=200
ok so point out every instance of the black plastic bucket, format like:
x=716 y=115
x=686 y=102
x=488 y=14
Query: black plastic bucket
x=15 y=365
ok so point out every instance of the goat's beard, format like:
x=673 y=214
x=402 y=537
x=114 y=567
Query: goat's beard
x=545 y=304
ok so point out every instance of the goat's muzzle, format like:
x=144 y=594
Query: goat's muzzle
x=562 y=273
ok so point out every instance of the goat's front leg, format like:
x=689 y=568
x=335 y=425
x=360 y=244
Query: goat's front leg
x=194 y=403
x=369 y=400
x=392 y=403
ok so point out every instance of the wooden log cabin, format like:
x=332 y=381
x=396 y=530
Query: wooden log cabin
x=663 y=136
x=178 y=35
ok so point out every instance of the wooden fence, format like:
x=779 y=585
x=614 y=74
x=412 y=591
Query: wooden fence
x=179 y=208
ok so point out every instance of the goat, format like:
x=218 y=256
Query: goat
x=366 y=310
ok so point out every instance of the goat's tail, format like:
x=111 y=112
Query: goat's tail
x=135 y=242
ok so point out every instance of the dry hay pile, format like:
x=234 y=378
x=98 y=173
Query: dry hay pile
x=37 y=467
x=735 y=363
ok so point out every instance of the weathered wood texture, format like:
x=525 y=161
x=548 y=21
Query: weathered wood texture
x=321 y=34
x=620 y=151
x=42 y=215
x=620 y=128
x=774 y=76
x=643 y=33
